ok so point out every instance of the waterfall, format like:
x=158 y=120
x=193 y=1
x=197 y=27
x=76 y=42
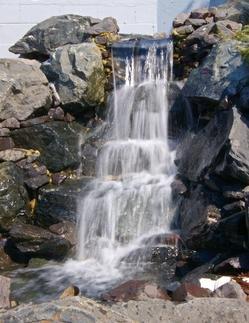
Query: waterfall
x=130 y=200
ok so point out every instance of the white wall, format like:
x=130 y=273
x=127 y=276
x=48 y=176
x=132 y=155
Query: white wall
x=134 y=16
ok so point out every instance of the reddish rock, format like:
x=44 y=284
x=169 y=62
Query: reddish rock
x=135 y=290
x=4 y=292
x=58 y=178
x=56 y=114
x=11 y=123
x=188 y=291
x=69 y=118
x=66 y=230
x=196 y=22
x=34 y=121
x=6 y=143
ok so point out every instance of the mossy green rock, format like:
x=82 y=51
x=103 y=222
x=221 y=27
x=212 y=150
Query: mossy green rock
x=13 y=195
x=78 y=74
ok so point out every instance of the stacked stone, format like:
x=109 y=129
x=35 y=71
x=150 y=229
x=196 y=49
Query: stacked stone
x=50 y=97
x=197 y=32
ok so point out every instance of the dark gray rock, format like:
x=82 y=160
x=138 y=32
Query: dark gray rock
x=234 y=266
x=37 y=182
x=58 y=203
x=65 y=229
x=78 y=75
x=221 y=74
x=13 y=196
x=57 y=142
x=6 y=143
x=52 y=33
x=34 y=241
x=196 y=22
x=243 y=102
x=198 y=153
x=24 y=89
x=107 y=25
x=201 y=13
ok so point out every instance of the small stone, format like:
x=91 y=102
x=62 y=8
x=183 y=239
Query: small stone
x=233 y=195
x=11 y=123
x=69 y=117
x=200 y=13
x=178 y=187
x=70 y=292
x=35 y=121
x=56 y=114
x=4 y=132
x=4 y=292
x=58 y=178
x=180 y=20
x=66 y=229
x=234 y=207
x=37 y=182
x=184 y=30
x=13 y=155
x=196 y=22
x=230 y=290
x=189 y=291
x=6 y=143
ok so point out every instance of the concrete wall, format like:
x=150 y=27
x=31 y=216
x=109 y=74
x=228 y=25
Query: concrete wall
x=134 y=16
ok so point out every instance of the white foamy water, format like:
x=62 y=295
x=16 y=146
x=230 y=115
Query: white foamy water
x=130 y=200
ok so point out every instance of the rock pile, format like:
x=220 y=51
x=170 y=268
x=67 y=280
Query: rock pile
x=197 y=32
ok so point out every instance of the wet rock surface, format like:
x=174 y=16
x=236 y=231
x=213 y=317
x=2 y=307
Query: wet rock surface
x=58 y=203
x=57 y=142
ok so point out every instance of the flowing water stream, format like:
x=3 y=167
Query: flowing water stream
x=129 y=202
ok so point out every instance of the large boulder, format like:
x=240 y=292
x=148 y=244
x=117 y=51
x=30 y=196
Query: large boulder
x=34 y=241
x=24 y=89
x=58 y=31
x=57 y=142
x=13 y=196
x=59 y=203
x=221 y=74
x=221 y=147
x=78 y=74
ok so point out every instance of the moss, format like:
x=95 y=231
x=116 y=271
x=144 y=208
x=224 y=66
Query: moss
x=243 y=37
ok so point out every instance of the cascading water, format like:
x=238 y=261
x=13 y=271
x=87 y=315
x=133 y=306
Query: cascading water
x=129 y=203
x=131 y=198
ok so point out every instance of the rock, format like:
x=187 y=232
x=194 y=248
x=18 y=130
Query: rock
x=6 y=143
x=212 y=285
x=78 y=74
x=74 y=310
x=206 y=146
x=70 y=292
x=230 y=290
x=5 y=261
x=45 y=37
x=233 y=195
x=10 y=123
x=203 y=37
x=221 y=29
x=24 y=90
x=56 y=114
x=199 y=310
x=220 y=75
x=58 y=178
x=34 y=241
x=4 y=292
x=59 y=203
x=230 y=12
x=188 y=291
x=234 y=207
x=56 y=141
x=4 y=132
x=135 y=290
x=180 y=20
x=243 y=102
x=34 y=121
x=107 y=25
x=65 y=229
x=17 y=154
x=36 y=182
x=196 y=22
x=234 y=266
x=183 y=30
x=200 y=13
x=13 y=196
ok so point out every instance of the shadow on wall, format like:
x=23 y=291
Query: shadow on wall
x=167 y=10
